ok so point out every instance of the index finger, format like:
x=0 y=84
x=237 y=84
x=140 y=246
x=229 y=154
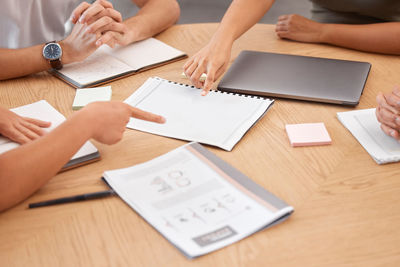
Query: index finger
x=90 y=12
x=147 y=116
x=209 y=80
x=381 y=99
x=78 y=11
x=393 y=100
x=215 y=74
x=282 y=17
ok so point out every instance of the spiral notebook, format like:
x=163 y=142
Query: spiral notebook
x=219 y=119
x=366 y=129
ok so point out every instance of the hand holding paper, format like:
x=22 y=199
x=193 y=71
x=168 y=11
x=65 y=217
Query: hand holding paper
x=213 y=59
x=387 y=112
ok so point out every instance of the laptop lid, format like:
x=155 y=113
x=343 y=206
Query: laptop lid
x=296 y=77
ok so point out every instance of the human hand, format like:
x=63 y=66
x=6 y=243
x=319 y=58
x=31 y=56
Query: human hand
x=79 y=44
x=103 y=19
x=86 y=12
x=20 y=129
x=213 y=59
x=299 y=28
x=388 y=112
x=108 y=119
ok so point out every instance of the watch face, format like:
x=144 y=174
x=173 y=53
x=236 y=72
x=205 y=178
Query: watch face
x=52 y=51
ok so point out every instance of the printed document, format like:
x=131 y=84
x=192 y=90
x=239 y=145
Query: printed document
x=196 y=200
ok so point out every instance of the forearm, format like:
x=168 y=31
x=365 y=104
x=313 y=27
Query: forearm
x=25 y=169
x=21 y=62
x=379 y=38
x=241 y=16
x=154 y=17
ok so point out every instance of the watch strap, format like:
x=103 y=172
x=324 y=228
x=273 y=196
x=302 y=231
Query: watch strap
x=56 y=64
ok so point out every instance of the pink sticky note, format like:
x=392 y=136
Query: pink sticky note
x=308 y=134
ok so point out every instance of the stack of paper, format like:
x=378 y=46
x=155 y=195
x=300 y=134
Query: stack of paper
x=308 y=134
x=86 y=96
x=366 y=129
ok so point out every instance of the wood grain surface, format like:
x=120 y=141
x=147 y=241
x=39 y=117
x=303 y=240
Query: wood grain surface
x=347 y=208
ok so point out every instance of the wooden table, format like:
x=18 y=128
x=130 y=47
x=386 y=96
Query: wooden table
x=347 y=208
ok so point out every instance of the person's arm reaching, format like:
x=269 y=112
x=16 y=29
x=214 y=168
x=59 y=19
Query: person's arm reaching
x=26 y=168
x=213 y=59
x=378 y=38
x=153 y=17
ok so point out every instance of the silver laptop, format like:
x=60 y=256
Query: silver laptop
x=296 y=77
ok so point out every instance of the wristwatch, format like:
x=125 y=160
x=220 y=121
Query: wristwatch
x=52 y=52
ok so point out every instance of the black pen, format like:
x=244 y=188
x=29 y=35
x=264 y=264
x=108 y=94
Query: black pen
x=64 y=200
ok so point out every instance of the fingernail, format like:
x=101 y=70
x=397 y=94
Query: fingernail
x=88 y=30
x=98 y=43
x=203 y=93
x=162 y=119
x=72 y=17
x=393 y=133
x=81 y=18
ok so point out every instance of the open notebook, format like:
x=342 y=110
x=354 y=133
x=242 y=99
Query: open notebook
x=218 y=119
x=197 y=201
x=366 y=129
x=42 y=110
x=108 y=64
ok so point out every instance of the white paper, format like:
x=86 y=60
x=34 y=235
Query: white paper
x=186 y=200
x=86 y=96
x=98 y=66
x=106 y=62
x=218 y=119
x=144 y=53
x=366 y=129
x=42 y=110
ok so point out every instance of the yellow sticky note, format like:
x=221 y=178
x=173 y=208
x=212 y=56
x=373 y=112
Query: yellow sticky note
x=89 y=95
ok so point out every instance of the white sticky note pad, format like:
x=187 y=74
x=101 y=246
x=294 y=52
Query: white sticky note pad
x=89 y=95
x=308 y=134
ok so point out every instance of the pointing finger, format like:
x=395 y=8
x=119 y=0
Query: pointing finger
x=147 y=116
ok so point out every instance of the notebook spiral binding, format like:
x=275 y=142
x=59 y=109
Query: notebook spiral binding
x=216 y=91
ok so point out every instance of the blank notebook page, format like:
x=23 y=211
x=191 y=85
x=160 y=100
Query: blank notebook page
x=218 y=119
x=144 y=53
